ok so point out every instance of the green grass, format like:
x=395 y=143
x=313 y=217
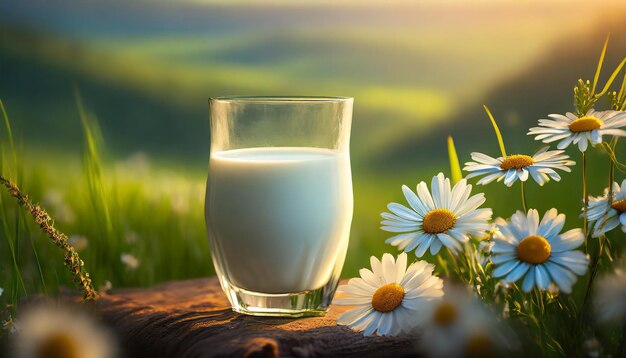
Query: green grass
x=152 y=205
x=155 y=212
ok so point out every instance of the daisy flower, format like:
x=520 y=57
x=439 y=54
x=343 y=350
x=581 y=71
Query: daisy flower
x=459 y=325
x=571 y=129
x=483 y=252
x=538 y=250
x=446 y=218
x=610 y=297
x=130 y=261
x=59 y=331
x=390 y=298
x=10 y=326
x=541 y=167
x=607 y=216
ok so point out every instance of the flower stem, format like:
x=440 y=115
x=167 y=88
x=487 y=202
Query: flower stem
x=592 y=273
x=455 y=264
x=523 y=197
x=585 y=198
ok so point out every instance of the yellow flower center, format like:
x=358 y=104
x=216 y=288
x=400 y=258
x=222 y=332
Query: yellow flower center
x=438 y=221
x=445 y=314
x=517 y=161
x=585 y=124
x=619 y=205
x=59 y=345
x=533 y=249
x=479 y=346
x=388 y=297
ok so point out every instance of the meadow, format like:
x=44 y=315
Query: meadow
x=107 y=128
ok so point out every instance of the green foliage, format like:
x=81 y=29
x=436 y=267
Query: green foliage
x=585 y=96
x=497 y=130
x=618 y=99
x=455 y=166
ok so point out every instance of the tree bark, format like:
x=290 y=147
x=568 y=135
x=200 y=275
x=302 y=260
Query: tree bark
x=193 y=318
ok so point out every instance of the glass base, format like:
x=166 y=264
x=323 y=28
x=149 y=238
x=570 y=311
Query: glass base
x=302 y=304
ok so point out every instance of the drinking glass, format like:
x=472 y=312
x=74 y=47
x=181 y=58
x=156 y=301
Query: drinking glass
x=279 y=201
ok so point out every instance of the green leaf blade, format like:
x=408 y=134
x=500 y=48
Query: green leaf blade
x=497 y=130
x=455 y=166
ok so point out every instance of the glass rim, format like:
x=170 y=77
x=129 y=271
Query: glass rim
x=280 y=99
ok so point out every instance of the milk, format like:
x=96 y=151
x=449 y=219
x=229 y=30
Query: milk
x=279 y=218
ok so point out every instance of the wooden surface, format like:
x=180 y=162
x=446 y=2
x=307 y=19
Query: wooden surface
x=193 y=319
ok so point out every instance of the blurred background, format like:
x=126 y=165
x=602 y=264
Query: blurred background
x=107 y=102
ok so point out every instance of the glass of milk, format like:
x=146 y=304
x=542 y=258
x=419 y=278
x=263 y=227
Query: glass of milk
x=279 y=201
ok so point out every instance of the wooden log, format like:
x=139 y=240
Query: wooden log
x=193 y=318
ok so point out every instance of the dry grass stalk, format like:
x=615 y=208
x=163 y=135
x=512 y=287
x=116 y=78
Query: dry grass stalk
x=71 y=258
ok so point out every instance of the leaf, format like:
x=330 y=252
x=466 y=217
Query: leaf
x=455 y=166
x=600 y=62
x=7 y=124
x=611 y=152
x=622 y=87
x=609 y=82
x=497 y=130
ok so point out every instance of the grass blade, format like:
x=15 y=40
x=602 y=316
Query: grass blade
x=7 y=125
x=600 y=62
x=609 y=82
x=497 y=130
x=93 y=171
x=36 y=255
x=455 y=166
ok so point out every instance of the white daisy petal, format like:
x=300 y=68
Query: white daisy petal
x=414 y=243
x=421 y=249
x=542 y=278
x=424 y=195
x=402 y=211
x=500 y=259
x=517 y=273
x=400 y=267
x=389 y=268
x=435 y=247
x=613 y=132
x=523 y=174
x=510 y=177
x=562 y=277
x=501 y=247
x=353 y=301
x=489 y=178
x=372 y=326
x=532 y=221
x=505 y=268
x=357 y=286
x=568 y=240
x=369 y=277
x=576 y=261
x=483 y=158
x=529 y=281
x=377 y=267
x=414 y=201
x=449 y=242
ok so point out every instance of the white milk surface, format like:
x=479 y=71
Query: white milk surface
x=279 y=217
